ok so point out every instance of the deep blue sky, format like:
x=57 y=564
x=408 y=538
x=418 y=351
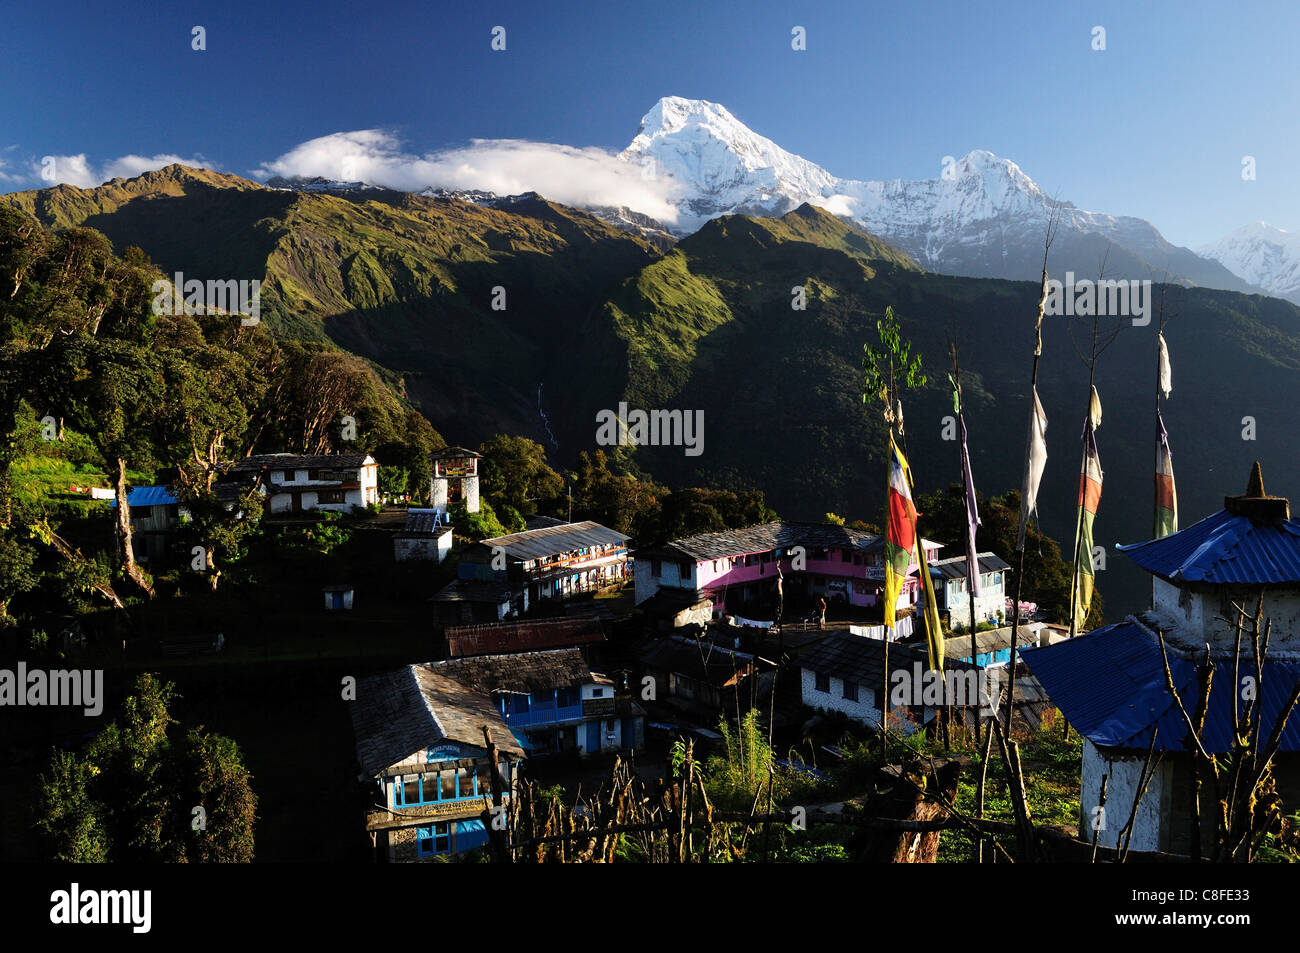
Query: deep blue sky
x=1154 y=126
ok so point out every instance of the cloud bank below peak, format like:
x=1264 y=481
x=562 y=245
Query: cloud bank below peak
x=583 y=177
x=79 y=171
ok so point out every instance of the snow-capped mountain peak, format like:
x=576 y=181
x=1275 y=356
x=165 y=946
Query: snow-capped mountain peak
x=720 y=163
x=722 y=167
x=978 y=215
x=1262 y=254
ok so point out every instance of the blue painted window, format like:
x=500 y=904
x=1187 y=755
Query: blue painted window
x=433 y=839
x=417 y=790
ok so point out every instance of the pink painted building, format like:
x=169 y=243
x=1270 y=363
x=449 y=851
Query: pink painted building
x=737 y=566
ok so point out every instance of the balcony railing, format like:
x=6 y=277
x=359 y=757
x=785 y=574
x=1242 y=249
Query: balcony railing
x=544 y=716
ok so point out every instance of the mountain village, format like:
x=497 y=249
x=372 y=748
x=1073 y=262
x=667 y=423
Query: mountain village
x=528 y=649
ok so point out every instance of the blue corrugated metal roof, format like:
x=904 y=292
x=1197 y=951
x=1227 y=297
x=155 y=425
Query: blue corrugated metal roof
x=1224 y=549
x=1110 y=684
x=149 y=496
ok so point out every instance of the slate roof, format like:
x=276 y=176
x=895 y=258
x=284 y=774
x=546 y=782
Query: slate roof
x=954 y=567
x=1224 y=549
x=957 y=645
x=467 y=640
x=715 y=664
x=420 y=522
x=471 y=590
x=1110 y=685
x=293 y=461
x=761 y=538
x=399 y=713
x=525 y=672
x=552 y=540
x=877 y=545
x=669 y=601
x=453 y=453
x=861 y=659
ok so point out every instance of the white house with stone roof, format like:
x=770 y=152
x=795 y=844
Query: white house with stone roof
x=296 y=483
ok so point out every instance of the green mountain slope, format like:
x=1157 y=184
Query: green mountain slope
x=404 y=281
x=711 y=327
x=595 y=316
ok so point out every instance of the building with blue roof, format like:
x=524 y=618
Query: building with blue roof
x=1111 y=684
x=155 y=514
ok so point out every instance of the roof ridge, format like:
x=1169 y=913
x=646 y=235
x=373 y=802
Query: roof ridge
x=428 y=704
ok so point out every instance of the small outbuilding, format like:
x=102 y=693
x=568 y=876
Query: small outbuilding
x=337 y=598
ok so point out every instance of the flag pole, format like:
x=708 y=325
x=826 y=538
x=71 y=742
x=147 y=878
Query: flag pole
x=972 y=553
x=1020 y=541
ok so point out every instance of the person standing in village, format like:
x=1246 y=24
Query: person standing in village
x=821 y=603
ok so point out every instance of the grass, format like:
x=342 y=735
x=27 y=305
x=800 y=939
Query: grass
x=1052 y=766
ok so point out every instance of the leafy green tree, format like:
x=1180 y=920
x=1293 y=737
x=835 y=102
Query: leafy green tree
x=476 y=526
x=221 y=525
x=889 y=368
x=393 y=479
x=515 y=473
x=17 y=570
x=70 y=819
x=111 y=389
x=619 y=501
x=202 y=418
x=131 y=795
x=217 y=781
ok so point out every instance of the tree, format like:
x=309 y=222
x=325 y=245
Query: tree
x=218 y=782
x=202 y=418
x=111 y=390
x=889 y=369
x=620 y=501
x=476 y=526
x=221 y=526
x=72 y=822
x=131 y=795
x=17 y=575
x=515 y=473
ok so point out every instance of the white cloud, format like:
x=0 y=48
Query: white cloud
x=129 y=166
x=565 y=174
x=64 y=170
x=76 y=170
x=836 y=204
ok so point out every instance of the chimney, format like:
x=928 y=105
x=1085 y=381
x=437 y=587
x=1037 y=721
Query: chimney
x=1255 y=504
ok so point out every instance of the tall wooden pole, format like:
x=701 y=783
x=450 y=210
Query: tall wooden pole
x=972 y=553
x=1020 y=548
